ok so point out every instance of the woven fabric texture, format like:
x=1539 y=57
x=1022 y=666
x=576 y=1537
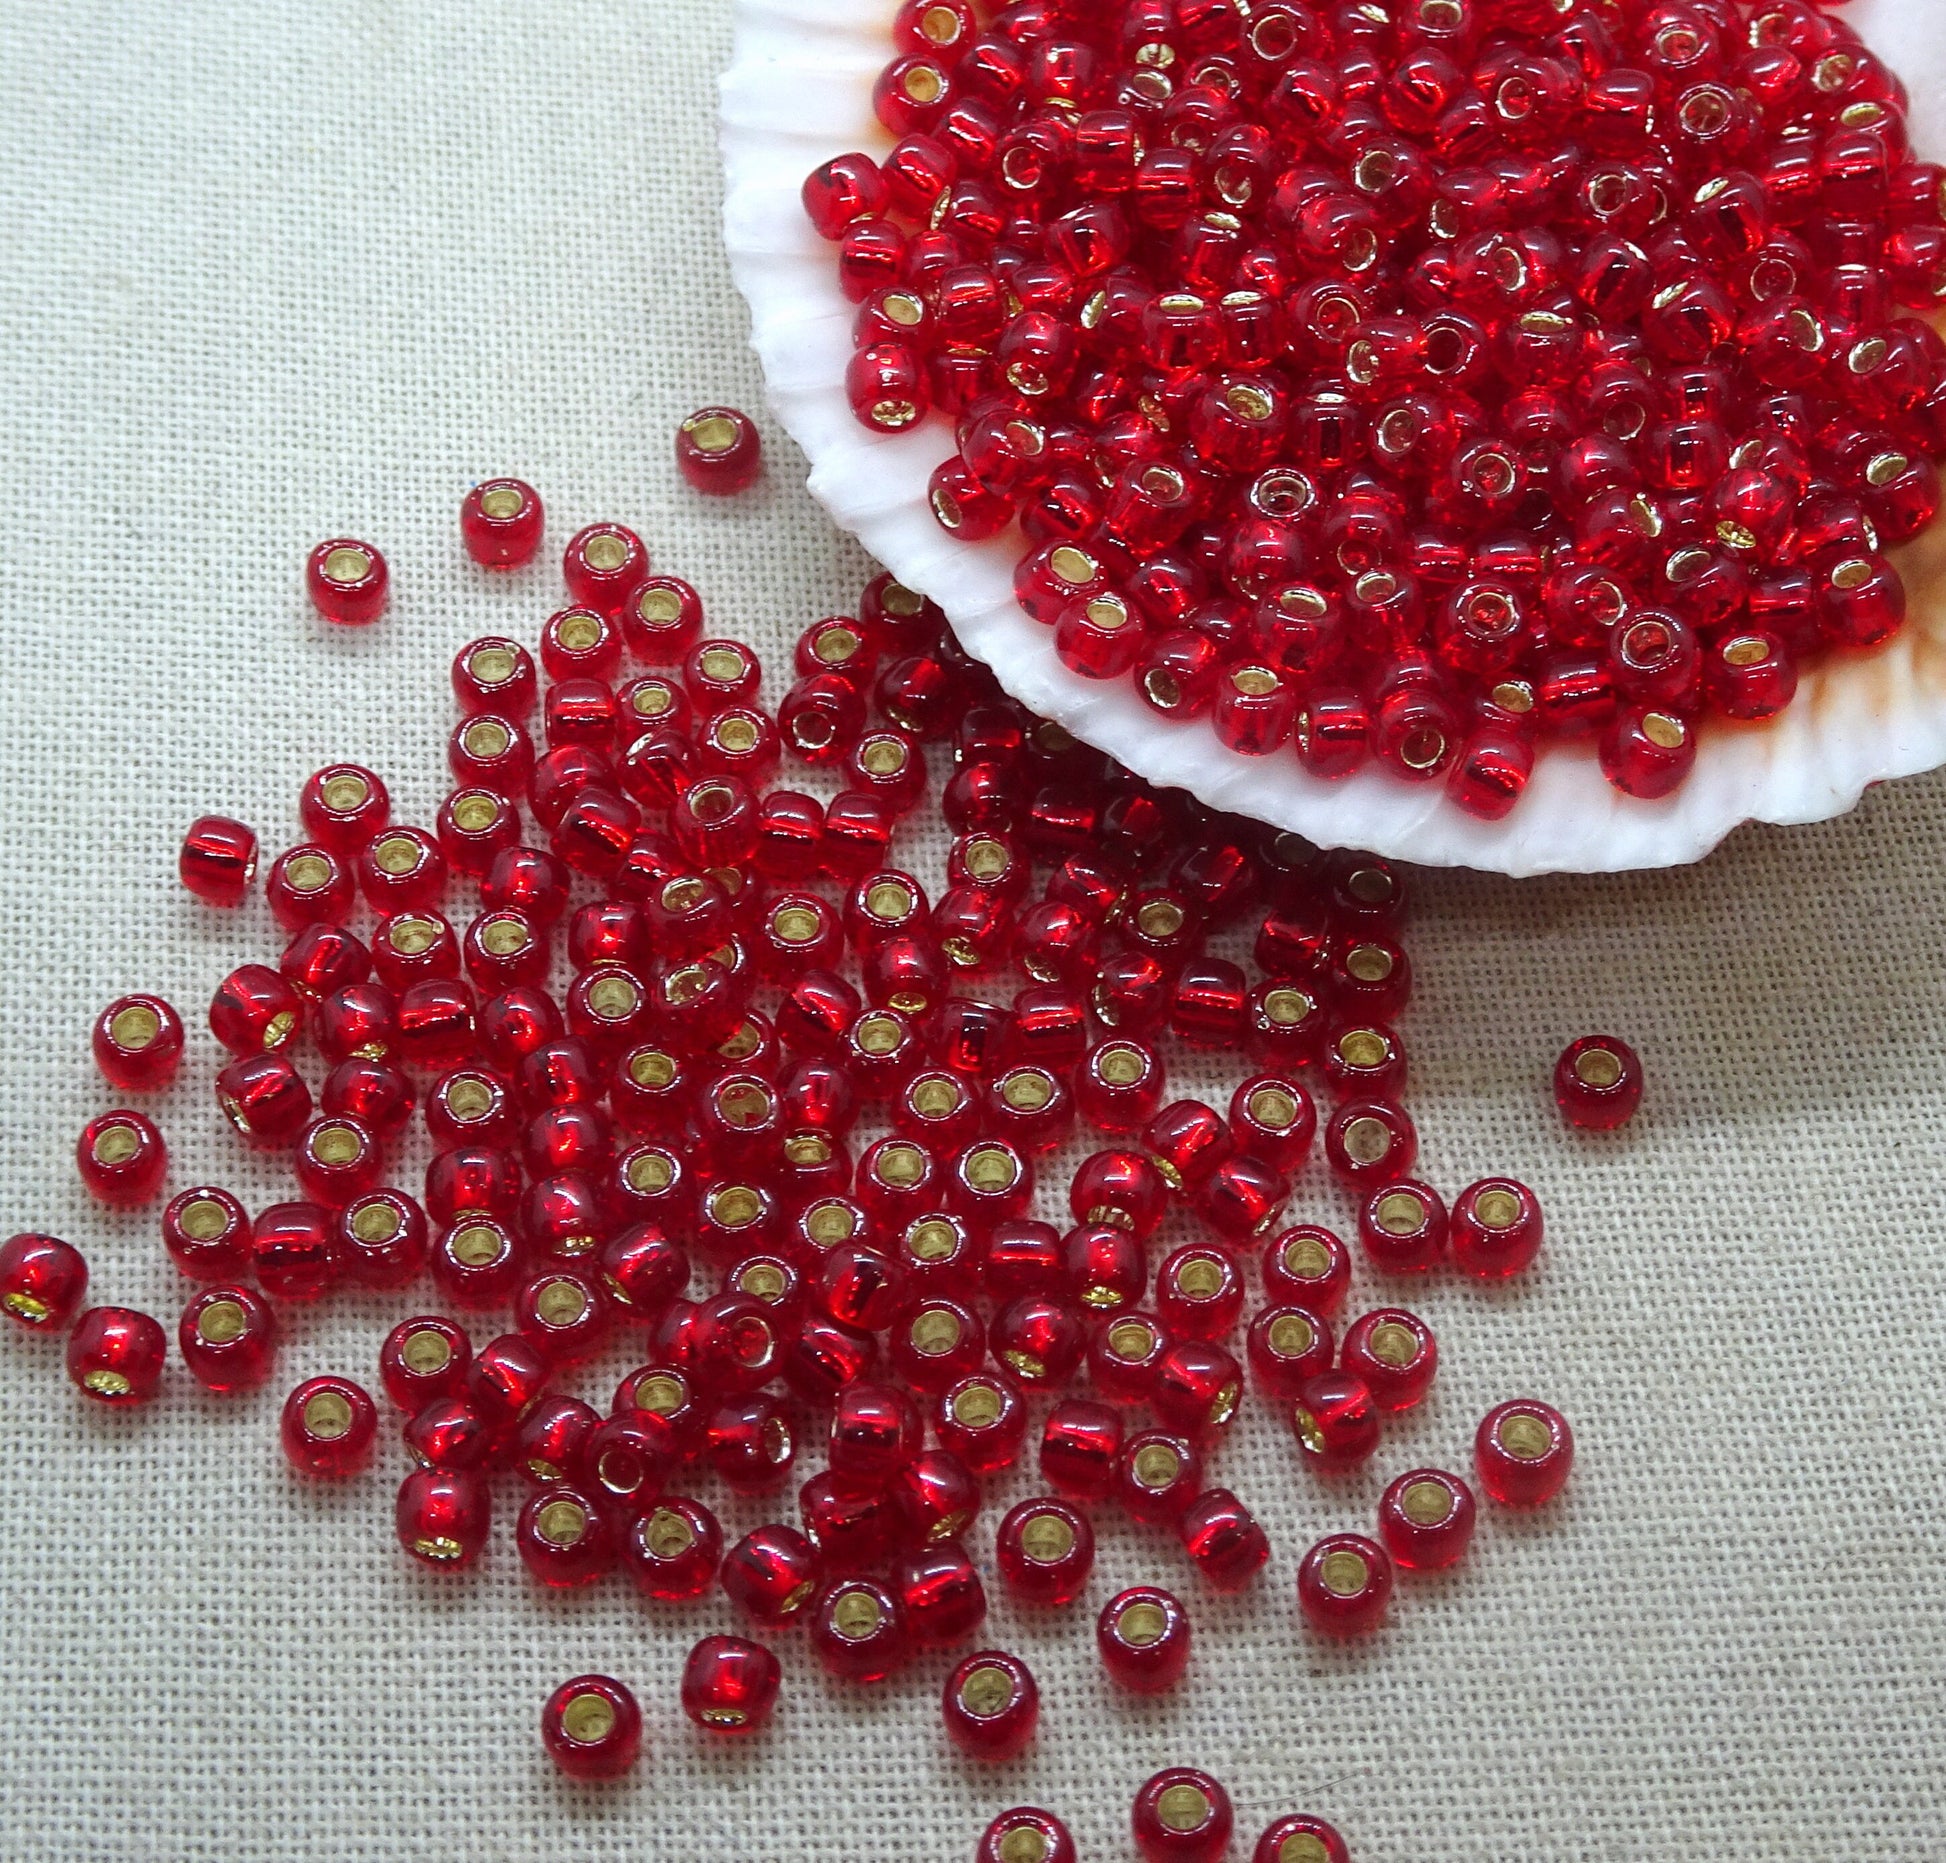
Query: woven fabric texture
x=276 y=272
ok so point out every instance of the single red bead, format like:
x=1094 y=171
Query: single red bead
x=1199 y=1292
x=1122 y=1356
x=673 y=1550
x=1045 y=1550
x=551 y=1443
x=328 y=1427
x=505 y=1379
x=1159 y=1475
x=443 y=1516
x=991 y=1705
x=1336 y=1420
x=1403 y=1227
x=1364 y=1061
x=1119 y=1085
x=1370 y=1142
x=1394 y=1352
x=1496 y=1228
x=562 y=1313
x=1273 y=1119
x=500 y=522
x=729 y=1685
x=402 y=870
x=228 y=1338
x=592 y=1728
x=1309 y=1267
x=876 y=1430
x=381 y=1236
x=602 y=565
x=218 y=860
x=322 y=959
x=718 y=451
x=939 y=1592
x=138 y=1044
x=1287 y=1346
x=1039 y=1339
x=1143 y=1635
x=477 y=1262
x=423 y=1359
x=981 y=1420
x=1197 y=1388
x=466 y=1178
x=1598 y=1083
x=936 y=1497
x=115 y=1355
x=1425 y=1519
x=770 y=1575
x=857 y=1631
x=359 y=1021
x=1523 y=1452
x=294 y=1250
x=563 y=1538
x=1186 y=1142
x=43 y=1281
x=1300 y=1838
x=1025 y=1834
x=1102 y=1267
x=308 y=885
x=346 y=581
x=1081 y=1444
x=1182 y=1816
x=1123 y=1189
x=1223 y=1539
x=495 y=675
x=628 y=1459
x=1344 y=1585
x=337 y=1159
x=255 y=1011
x=122 y=1159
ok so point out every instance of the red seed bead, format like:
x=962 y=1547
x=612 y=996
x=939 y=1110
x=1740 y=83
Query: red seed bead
x=115 y=1355
x=673 y=1550
x=495 y=675
x=1523 y=1451
x=449 y=1433
x=1039 y=1339
x=627 y=1459
x=1045 y=1550
x=255 y=1011
x=935 y=1497
x=991 y=1706
x=1024 y=1834
x=1300 y=1838
x=1309 y=1267
x=1336 y=1420
x=563 y=1314
x=346 y=581
x=718 y=451
x=592 y=1728
x=337 y=1159
x=1243 y=1198
x=857 y=1631
x=1273 y=1119
x=1496 y=1228
x=342 y=807
x=1199 y=1292
x=500 y=522
x=602 y=566
x=771 y=1575
x=1143 y=1635
x=940 y=1593
x=875 y=1431
x=551 y=1443
x=1186 y=1141
x=443 y=1516
x=308 y=886
x=122 y=1159
x=1159 y=1475
x=1425 y=1519
x=138 y=1044
x=382 y=1239
x=1123 y=1354
x=1598 y=1083
x=228 y=1338
x=1287 y=1025
x=43 y=1281
x=981 y=1419
x=1370 y=1142
x=1081 y=1444
x=1123 y=1189
x=1395 y=1353
x=661 y=620
x=294 y=1250
x=1119 y=1085
x=1344 y=1585
x=562 y=1538
x=1403 y=1227
x=729 y=1685
x=1223 y=1539
x=265 y=1099
x=423 y=1360
x=1365 y=1061
x=402 y=870
x=218 y=860
x=328 y=1427
x=1197 y=1388
x=1030 y=1108
x=1287 y=1346
x=1182 y=1816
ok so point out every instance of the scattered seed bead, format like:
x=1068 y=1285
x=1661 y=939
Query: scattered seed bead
x=718 y=451
x=1598 y=1083
x=347 y=581
x=122 y=1159
x=1299 y=1838
x=729 y=1685
x=1344 y=1585
x=501 y=522
x=1523 y=1452
x=228 y=1338
x=1182 y=1816
x=328 y=1427
x=218 y=860
x=1025 y=1834
x=43 y=1281
x=991 y=1706
x=138 y=1044
x=592 y=1728
x=115 y=1356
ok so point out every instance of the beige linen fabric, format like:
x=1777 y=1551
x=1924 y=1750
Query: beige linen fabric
x=274 y=271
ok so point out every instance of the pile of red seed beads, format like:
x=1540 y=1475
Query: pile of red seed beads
x=600 y=1146
x=1413 y=383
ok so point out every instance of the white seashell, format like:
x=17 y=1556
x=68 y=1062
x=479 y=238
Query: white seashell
x=799 y=91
